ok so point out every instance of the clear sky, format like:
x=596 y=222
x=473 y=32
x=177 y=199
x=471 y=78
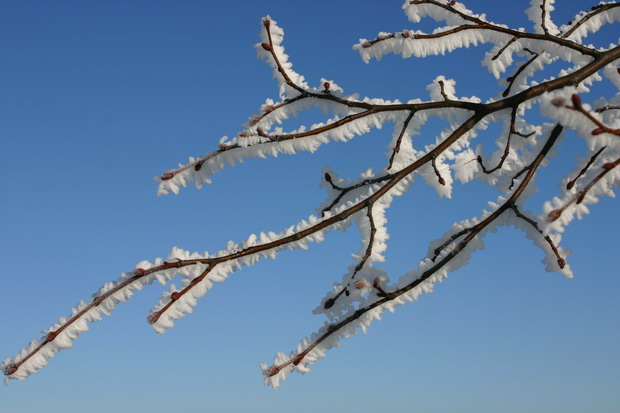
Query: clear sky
x=98 y=97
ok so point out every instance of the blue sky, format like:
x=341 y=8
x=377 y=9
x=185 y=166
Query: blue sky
x=99 y=97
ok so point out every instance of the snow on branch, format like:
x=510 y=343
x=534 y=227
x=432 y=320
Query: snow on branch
x=366 y=291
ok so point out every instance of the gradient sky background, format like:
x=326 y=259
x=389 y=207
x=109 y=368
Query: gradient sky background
x=99 y=97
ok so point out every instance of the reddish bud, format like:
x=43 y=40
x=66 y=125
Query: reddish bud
x=570 y=185
x=254 y=121
x=167 y=175
x=242 y=135
x=269 y=109
x=561 y=263
x=266 y=23
x=558 y=102
x=598 y=131
x=273 y=371
x=10 y=369
x=580 y=199
x=360 y=285
x=138 y=271
x=405 y=33
x=376 y=282
x=175 y=296
x=152 y=319
x=618 y=70
x=608 y=165
x=51 y=335
x=266 y=46
x=366 y=45
x=576 y=100
x=298 y=359
x=452 y=3
x=223 y=146
x=198 y=166
x=326 y=85
x=553 y=215
x=441 y=181
x=396 y=149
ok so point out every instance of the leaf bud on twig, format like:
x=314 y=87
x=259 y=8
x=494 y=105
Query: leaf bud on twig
x=553 y=215
x=10 y=369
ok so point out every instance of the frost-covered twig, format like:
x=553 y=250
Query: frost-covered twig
x=366 y=291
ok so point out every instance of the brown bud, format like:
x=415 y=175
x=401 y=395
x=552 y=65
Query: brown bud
x=405 y=33
x=441 y=181
x=561 y=263
x=51 y=335
x=360 y=284
x=618 y=70
x=396 y=149
x=273 y=371
x=329 y=303
x=223 y=146
x=175 y=296
x=138 y=271
x=553 y=215
x=266 y=46
x=298 y=359
x=198 y=166
x=376 y=282
x=452 y=3
x=576 y=100
x=580 y=199
x=152 y=319
x=366 y=45
x=326 y=85
x=570 y=185
x=167 y=175
x=608 y=165
x=598 y=131
x=269 y=108
x=254 y=121
x=10 y=369
x=266 y=23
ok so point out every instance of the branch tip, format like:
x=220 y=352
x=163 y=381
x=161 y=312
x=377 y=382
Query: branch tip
x=10 y=369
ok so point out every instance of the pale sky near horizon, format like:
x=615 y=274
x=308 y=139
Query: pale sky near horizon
x=99 y=97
